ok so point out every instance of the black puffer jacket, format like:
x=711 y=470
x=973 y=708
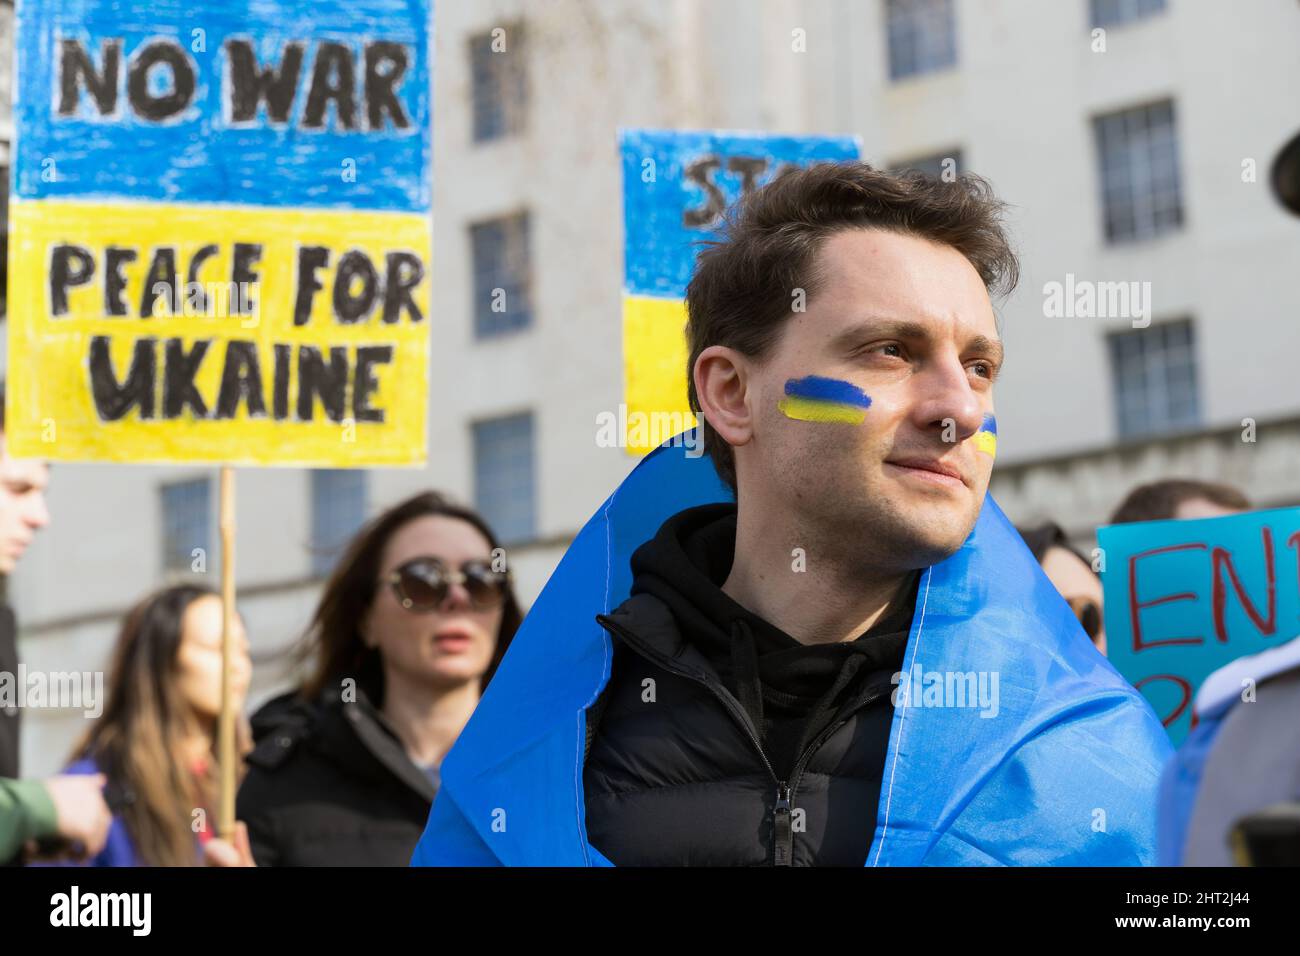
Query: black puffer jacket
x=9 y=719
x=720 y=740
x=330 y=784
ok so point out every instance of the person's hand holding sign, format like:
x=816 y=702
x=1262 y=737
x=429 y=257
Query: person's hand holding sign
x=233 y=852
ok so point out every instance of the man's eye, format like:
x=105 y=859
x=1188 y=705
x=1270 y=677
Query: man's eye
x=984 y=369
x=892 y=349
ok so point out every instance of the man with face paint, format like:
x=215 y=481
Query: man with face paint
x=764 y=702
x=856 y=433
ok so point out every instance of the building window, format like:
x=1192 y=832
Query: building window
x=502 y=297
x=187 y=526
x=1137 y=151
x=933 y=166
x=504 y=476
x=338 y=509
x=499 y=83
x=922 y=36
x=1154 y=373
x=1114 y=13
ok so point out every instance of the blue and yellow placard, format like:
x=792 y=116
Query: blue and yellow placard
x=221 y=232
x=1183 y=598
x=676 y=185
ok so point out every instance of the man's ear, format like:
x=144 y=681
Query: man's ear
x=722 y=385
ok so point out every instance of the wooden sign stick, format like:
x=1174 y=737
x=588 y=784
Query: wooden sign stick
x=226 y=757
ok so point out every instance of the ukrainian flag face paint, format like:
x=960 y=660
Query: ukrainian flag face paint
x=817 y=399
x=986 y=439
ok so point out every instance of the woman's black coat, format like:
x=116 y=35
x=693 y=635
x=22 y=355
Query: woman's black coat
x=330 y=784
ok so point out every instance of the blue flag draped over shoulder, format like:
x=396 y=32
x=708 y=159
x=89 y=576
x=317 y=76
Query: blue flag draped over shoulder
x=1063 y=769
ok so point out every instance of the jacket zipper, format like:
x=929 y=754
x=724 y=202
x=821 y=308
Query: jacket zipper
x=785 y=793
x=783 y=849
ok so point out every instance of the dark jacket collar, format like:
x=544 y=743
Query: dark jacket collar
x=380 y=740
x=352 y=733
x=685 y=565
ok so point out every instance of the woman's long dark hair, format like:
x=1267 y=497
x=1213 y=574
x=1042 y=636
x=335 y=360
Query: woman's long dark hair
x=138 y=741
x=332 y=648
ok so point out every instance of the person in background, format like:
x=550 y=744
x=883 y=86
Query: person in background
x=410 y=627
x=1236 y=759
x=70 y=809
x=1073 y=576
x=1240 y=758
x=156 y=741
x=1179 y=498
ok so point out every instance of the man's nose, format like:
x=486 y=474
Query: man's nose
x=949 y=406
x=38 y=514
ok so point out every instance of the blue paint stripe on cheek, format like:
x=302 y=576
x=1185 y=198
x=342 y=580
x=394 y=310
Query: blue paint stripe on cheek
x=818 y=388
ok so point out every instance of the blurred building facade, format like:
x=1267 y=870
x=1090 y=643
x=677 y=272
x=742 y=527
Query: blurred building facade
x=1137 y=154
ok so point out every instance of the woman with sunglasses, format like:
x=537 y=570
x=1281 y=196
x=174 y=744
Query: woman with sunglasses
x=409 y=630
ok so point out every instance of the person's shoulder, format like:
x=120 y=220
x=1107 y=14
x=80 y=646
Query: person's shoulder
x=83 y=766
x=1223 y=688
x=288 y=707
x=279 y=728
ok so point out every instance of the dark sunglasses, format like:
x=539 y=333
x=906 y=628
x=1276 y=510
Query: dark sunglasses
x=422 y=584
x=1089 y=615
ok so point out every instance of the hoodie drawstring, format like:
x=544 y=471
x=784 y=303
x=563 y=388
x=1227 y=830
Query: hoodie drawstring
x=813 y=723
x=744 y=667
x=749 y=687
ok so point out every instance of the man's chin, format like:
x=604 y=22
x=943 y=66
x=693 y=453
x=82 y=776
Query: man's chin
x=926 y=549
x=931 y=529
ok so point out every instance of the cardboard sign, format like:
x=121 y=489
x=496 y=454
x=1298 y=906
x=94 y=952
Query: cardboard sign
x=1183 y=598
x=221 y=232
x=676 y=185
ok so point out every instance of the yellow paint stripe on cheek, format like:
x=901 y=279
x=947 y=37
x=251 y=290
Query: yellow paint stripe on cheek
x=986 y=442
x=807 y=410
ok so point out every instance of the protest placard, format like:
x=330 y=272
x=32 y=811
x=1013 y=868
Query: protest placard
x=221 y=233
x=1183 y=598
x=220 y=243
x=676 y=186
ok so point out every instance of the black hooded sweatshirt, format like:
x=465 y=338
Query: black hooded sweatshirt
x=790 y=690
x=672 y=782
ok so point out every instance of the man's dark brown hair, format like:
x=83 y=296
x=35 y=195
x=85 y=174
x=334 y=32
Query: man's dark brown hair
x=745 y=283
x=1160 y=499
